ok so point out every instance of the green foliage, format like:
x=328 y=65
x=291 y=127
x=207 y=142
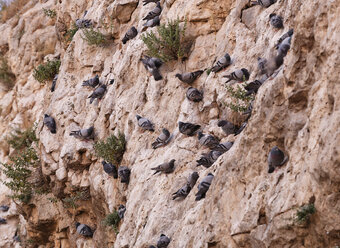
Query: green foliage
x=46 y=71
x=112 y=150
x=303 y=214
x=21 y=139
x=112 y=220
x=71 y=201
x=208 y=71
x=7 y=78
x=167 y=45
x=51 y=13
x=71 y=32
x=240 y=101
x=93 y=37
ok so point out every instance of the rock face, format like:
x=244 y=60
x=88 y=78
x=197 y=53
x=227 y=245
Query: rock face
x=298 y=110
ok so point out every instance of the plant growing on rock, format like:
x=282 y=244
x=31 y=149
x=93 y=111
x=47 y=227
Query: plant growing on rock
x=80 y=195
x=240 y=101
x=168 y=43
x=21 y=139
x=112 y=149
x=51 y=13
x=93 y=37
x=47 y=71
x=112 y=220
x=304 y=213
x=71 y=32
x=7 y=78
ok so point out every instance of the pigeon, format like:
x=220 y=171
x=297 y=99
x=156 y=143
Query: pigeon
x=224 y=147
x=121 y=211
x=263 y=3
x=189 y=77
x=110 y=169
x=163 y=241
x=240 y=75
x=182 y=192
x=92 y=82
x=284 y=47
x=124 y=174
x=54 y=82
x=153 y=13
x=261 y=65
x=49 y=122
x=167 y=167
x=145 y=2
x=145 y=123
x=85 y=134
x=207 y=140
x=208 y=159
x=194 y=94
x=252 y=87
x=152 y=65
x=98 y=93
x=4 y=208
x=16 y=237
x=227 y=127
x=162 y=139
x=276 y=158
x=243 y=126
x=3 y=221
x=249 y=110
x=283 y=37
x=192 y=179
x=130 y=34
x=204 y=186
x=83 y=23
x=222 y=63
x=276 y=21
x=188 y=128
x=84 y=230
x=151 y=23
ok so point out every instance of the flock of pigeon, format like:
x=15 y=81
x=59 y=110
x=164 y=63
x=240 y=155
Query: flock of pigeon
x=266 y=68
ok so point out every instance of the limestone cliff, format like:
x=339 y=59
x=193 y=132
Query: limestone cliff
x=297 y=110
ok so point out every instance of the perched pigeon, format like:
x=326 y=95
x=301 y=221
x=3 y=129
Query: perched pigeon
x=224 y=147
x=207 y=140
x=110 y=169
x=121 y=211
x=227 y=127
x=92 y=82
x=151 y=23
x=145 y=123
x=276 y=21
x=182 y=192
x=124 y=174
x=83 y=133
x=153 y=13
x=283 y=37
x=167 y=167
x=194 y=94
x=208 y=159
x=240 y=75
x=84 y=230
x=3 y=221
x=189 y=77
x=204 y=186
x=130 y=34
x=4 y=208
x=162 y=139
x=163 y=241
x=98 y=93
x=49 y=122
x=261 y=65
x=192 y=179
x=222 y=63
x=152 y=65
x=188 y=128
x=83 y=23
x=243 y=126
x=276 y=158
x=253 y=87
x=284 y=47
x=145 y=2
x=263 y=3
x=54 y=82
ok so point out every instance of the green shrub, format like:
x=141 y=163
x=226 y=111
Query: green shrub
x=112 y=150
x=240 y=102
x=51 y=13
x=7 y=78
x=112 y=220
x=71 y=32
x=80 y=195
x=303 y=214
x=93 y=37
x=167 y=45
x=47 y=71
x=21 y=139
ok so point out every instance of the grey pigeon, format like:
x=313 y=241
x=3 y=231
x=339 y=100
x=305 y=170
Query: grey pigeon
x=49 y=122
x=162 y=139
x=167 y=167
x=3 y=221
x=124 y=174
x=163 y=241
x=239 y=75
x=130 y=34
x=151 y=23
x=152 y=65
x=243 y=126
x=182 y=192
x=227 y=127
x=92 y=82
x=284 y=47
x=276 y=158
x=98 y=93
x=189 y=77
x=192 y=179
x=276 y=21
x=4 y=208
x=253 y=87
x=110 y=169
x=84 y=230
x=203 y=187
x=208 y=159
x=224 y=147
x=261 y=65
x=194 y=94
x=188 y=128
x=144 y=123
x=222 y=63
x=207 y=140
x=283 y=37
x=121 y=211
x=263 y=3
x=86 y=133
x=83 y=23
x=145 y=2
x=54 y=82
x=153 y=13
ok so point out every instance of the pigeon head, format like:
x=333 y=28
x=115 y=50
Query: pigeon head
x=91 y=129
x=180 y=124
x=121 y=206
x=46 y=115
x=178 y=75
x=172 y=161
x=158 y=4
x=138 y=117
x=290 y=32
x=77 y=224
x=271 y=15
x=200 y=135
x=271 y=169
x=221 y=123
x=163 y=235
x=103 y=86
x=165 y=131
x=104 y=163
x=245 y=73
x=210 y=174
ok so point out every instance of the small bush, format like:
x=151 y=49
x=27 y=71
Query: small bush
x=112 y=220
x=21 y=139
x=47 y=71
x=112 y=150
x=11 y=8
x=303 y=214
x=71 y=32
x=51 y=13
x=167 y=44
x=240 y=102
x=71 y=201
x=93 y=37
x=7 y=78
